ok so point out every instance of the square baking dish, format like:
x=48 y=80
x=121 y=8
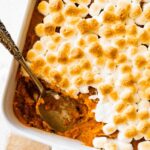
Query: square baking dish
x=57 y=142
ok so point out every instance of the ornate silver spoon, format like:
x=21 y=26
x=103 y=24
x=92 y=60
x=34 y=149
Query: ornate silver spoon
x=60 y=118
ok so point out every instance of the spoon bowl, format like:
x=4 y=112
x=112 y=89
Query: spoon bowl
x=58 y=111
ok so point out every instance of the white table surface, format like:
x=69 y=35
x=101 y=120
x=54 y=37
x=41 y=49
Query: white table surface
x=11 y=13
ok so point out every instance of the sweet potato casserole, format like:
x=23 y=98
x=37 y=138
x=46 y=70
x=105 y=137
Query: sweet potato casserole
x=98 y=52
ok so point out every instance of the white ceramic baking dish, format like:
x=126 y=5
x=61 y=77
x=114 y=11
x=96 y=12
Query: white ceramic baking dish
x=57 y=142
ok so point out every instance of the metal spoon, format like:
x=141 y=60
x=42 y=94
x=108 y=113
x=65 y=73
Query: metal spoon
x=60 y=117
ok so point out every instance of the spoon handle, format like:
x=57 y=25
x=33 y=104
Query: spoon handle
x=7 y=41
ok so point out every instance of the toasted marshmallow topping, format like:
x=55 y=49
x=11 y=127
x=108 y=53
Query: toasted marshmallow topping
x=144 y=145
x=106 y=45
x=108 y=144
